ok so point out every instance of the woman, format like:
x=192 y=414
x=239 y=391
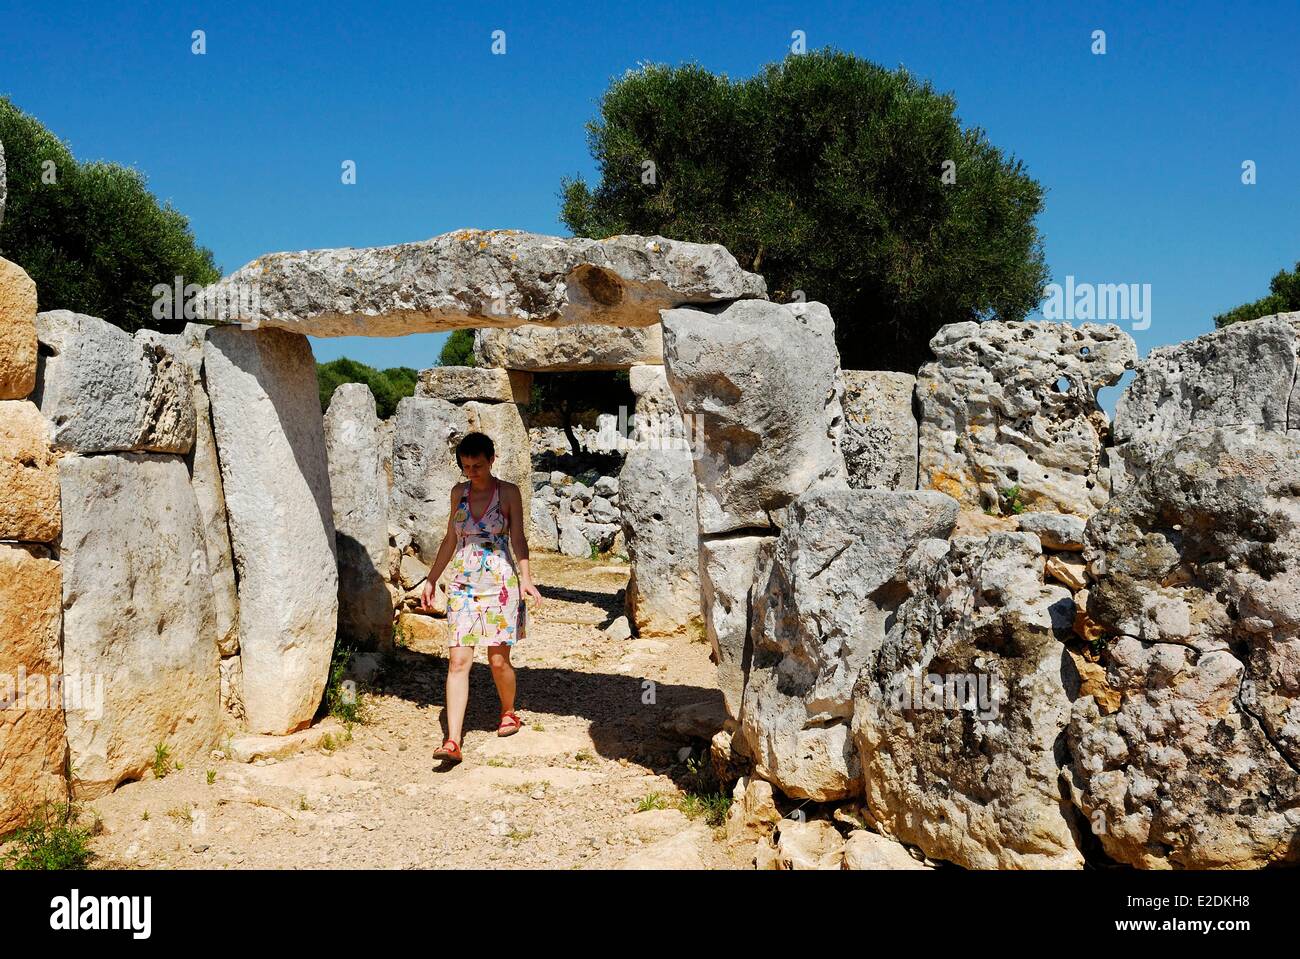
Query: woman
x=485 y=603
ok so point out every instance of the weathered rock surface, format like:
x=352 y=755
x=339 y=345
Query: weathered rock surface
x=271 y=439
x=1013 y=406
x=659 y=526
x=657 y=511
x=104 y=390
x=205 y=478
x=866 y=850
x=544 y=532
x=17 y=328
x=359 y=490
x=32 y=735
x=549 y=349
x=232 y=689
x=425 y=434
x=1054 y=530
x=820 y=613
x=958 y=723
x=29 y=479
x=880 y=430
x=1069 y=572
x=814 y=844
x=680 y=850
x=1242 y=376
x=764 y=380
x=477 y=278
x=727 y=568
x=753 y=813
x=138 y=615
x=573 y=542
x=1198 y=584
x=456 y=384
x=655 y=401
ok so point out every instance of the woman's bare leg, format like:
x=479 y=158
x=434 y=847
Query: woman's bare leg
x=459 y=661
x=503 y=674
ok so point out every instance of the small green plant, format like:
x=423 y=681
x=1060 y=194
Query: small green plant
x=302 y=804
x=343 y=699
x=212 y=776
x=182 y=814
x=712 y=806
x=328 y=744
x=50 y=839
x=144 y=816
x=538 y=727
x=402 y=637
x=1010 y=501
x=518 y=835
x=583 y=756
x=595 y=552
x=161 y=760
x=704 y=795
x=652 y=801
x=494 y=761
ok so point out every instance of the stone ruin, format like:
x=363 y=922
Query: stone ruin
x=1002 y=630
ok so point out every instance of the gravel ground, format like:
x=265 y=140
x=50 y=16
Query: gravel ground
x=564 y=792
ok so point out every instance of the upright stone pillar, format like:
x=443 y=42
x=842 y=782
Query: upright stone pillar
x=271 y=443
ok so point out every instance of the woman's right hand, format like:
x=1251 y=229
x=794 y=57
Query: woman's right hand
x=427 y=595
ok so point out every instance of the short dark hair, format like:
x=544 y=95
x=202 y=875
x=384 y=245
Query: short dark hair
x=475 y=444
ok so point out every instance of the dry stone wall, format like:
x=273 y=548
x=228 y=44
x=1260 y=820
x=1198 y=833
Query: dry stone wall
x=998 y=632
x=1009 y=414
x=1241 y=377
x=1047 y=675
x=33 y=734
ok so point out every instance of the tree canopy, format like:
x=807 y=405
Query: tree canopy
x=1283 y=297
x=388 y=386
x=91 y=235
x=458 y=350
x=852 y=183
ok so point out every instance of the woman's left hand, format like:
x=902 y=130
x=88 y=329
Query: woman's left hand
x=530 y=592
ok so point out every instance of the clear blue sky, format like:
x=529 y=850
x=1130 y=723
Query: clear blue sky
x=1140 y=150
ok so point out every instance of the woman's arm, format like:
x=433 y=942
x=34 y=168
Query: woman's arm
x=444 y=553
x=519 y=539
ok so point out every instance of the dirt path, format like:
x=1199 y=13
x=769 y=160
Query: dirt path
x=564 y=792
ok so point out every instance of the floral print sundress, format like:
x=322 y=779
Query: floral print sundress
x=484 y=606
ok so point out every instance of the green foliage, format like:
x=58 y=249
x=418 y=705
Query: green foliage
x=50 y=839
x=825 y=174
x=1010 y=501
x=343 y=699
x=162 y=764
x=712 y=806
x=388 y=386
x=1283 y=297
x=458 y=350
x=651 y=801
x=94 y=240
x=702 y=793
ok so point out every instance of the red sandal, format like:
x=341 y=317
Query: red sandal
x=451 y=755
x=509 y=728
